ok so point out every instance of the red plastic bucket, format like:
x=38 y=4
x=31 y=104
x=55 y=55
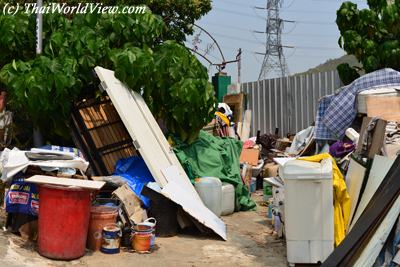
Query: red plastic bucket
x=64 y=214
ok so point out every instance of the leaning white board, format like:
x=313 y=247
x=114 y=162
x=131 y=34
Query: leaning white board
x=196 y=209
x=156 y=151
x=375 y=244
x=144 y=130
x=379 y=169
x=246 y=126
x=354 y=180
x=66 y=182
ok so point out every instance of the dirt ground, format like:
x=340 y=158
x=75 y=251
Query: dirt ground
x=251 y=242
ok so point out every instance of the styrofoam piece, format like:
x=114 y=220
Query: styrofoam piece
x=228 y=199
x=308 y=211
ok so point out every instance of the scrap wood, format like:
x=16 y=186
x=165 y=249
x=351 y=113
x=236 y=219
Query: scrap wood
x=236 y=102
x=350 y=248
x=131 y=204
x=41 y=179
x=386 y=108
x=377 y=137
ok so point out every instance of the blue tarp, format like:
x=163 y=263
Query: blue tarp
x=136 y=174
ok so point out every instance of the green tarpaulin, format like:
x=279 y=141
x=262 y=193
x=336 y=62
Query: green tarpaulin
x=217 y=157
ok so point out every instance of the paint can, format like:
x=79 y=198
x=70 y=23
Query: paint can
x=147 y=227
x=111 y=239
x=141 y=242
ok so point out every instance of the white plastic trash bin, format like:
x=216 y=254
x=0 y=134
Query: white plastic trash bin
x=309 y=225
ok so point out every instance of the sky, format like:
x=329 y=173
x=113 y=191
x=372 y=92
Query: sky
x=232 y=23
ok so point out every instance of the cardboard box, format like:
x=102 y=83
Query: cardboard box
x=250 y=156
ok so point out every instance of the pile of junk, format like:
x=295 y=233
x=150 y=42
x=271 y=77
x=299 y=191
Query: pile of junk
x=123 y=185
x=348 y=157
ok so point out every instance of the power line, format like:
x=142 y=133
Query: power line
x=283 y=9
x=258 y=42
x=249 y=30
x=259 y=18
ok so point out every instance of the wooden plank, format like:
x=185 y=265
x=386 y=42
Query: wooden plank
x=386 y=108
x=378 y=135
x=235 y=102
x=50 y=180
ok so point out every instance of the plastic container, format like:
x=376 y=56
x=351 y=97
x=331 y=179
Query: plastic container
x=100 y=216
x=352 y=135
x=63 y=221
x=308 y=211
x=210 y=192
x=228 y=199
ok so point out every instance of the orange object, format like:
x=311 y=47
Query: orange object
x=100 y=217
x=141 y=242
x=250 y=156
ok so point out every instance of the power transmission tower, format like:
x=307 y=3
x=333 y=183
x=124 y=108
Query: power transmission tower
x=274 y=59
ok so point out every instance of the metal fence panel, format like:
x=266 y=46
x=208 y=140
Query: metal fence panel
x=287 y=103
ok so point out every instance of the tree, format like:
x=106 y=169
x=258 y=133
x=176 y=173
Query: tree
x=173 y=82
x=371 y=35
x=178 y=16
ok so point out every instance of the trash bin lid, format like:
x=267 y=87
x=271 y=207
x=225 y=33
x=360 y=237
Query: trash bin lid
x=301 y=169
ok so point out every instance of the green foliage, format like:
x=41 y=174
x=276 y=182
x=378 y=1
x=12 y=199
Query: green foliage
x=347 y=74
x=173 y=82
x=178 y=15
x=186 y=102
x=371 y=35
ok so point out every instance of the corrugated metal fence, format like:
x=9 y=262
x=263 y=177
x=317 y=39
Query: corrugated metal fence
x=287 y=103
